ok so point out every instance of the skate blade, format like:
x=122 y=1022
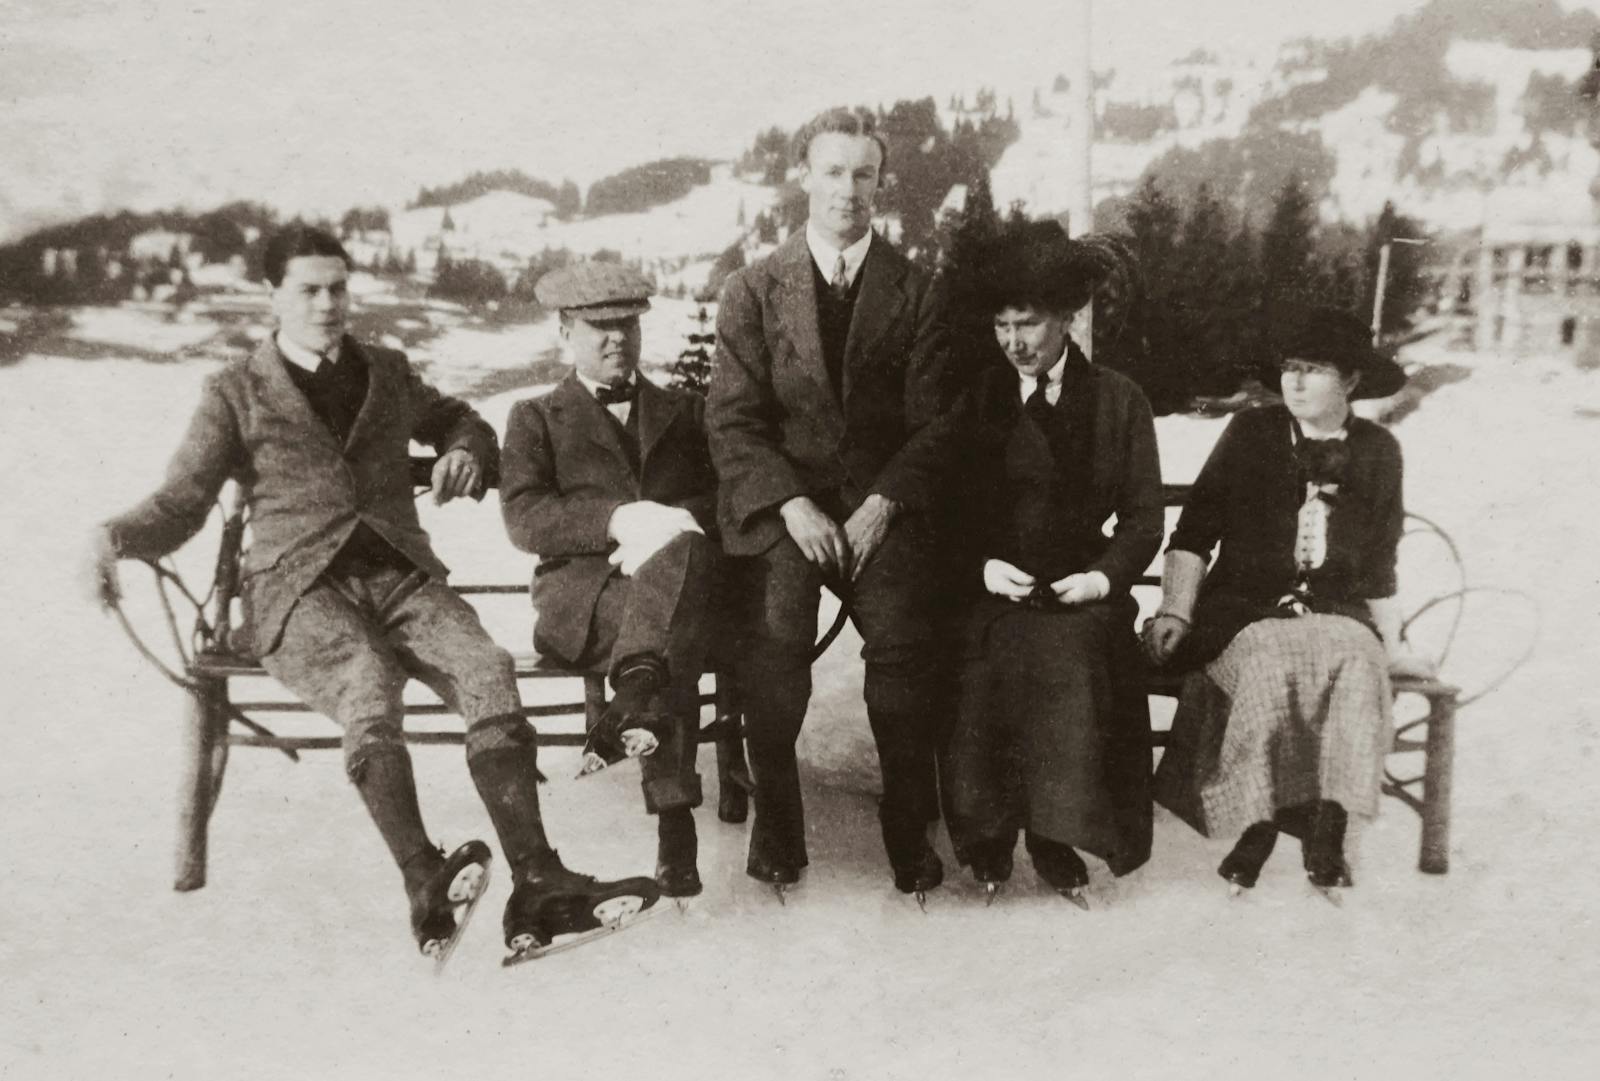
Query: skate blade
x=1330 y=894
x=1078 y=897
x=639 y=742
x=922 y=901
x=617 y=914
x=1235 y=891
x=991 y=892
x=466 y=890
x=780 y=890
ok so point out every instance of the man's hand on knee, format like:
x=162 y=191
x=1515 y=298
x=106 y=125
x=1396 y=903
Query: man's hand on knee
x=818 y=537
x=866 y=528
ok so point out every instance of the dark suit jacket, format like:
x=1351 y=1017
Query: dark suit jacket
x=776 y=428
x=565 y=471
x=306 y=492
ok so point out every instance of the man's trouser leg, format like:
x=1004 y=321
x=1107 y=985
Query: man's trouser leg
x=895 y=610
x=777 y=613
x=662 y=612
x=333 y=657
x=440 y=640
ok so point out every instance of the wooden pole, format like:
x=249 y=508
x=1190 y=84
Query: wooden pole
x=1080 y=214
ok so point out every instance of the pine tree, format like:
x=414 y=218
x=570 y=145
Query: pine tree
x=692 y=369
x=1288 y=242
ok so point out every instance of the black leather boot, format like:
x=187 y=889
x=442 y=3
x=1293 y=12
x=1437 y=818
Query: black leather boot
x=1323 y=851
x=677 y=849
x=1243 y=865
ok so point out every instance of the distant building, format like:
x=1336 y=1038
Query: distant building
x=1532 y=284
x=157 y=245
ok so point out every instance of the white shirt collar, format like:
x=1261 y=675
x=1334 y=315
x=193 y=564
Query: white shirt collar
x=620 y=410
x=826 y=255
x=1052 y=386
x=298 y=355
x=594 y=387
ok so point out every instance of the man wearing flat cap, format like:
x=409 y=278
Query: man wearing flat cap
x=825 y=417
x=1052 y=736
x=608 y=481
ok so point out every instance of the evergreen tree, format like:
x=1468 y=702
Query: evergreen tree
x=1407 y=286
x=1288 y=242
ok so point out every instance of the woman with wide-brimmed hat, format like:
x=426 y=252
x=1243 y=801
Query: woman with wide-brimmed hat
x=1294 y=630
x=1052 y=734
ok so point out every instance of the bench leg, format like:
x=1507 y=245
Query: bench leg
x=1434 y=858
x=594 y=701
x=733 y=774
x=205 y=751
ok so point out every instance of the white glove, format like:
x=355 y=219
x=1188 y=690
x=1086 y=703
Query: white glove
x=1081 y=588
x=1004 y=580
x=642 y=529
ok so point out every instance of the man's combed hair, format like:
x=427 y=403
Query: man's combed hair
x=297 y=239
x=840 y=121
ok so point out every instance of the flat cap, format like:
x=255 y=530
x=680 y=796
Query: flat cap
x=593 y=290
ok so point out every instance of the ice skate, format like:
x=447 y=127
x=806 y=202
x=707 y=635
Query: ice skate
x=1061 y=868
x=444 y=892
x=677 y=849
x=991 y=864
x=1241 y=867
x=554 y=909
x=1323 y=852
x=780 y=877
x=921 y=876
x=608 y=743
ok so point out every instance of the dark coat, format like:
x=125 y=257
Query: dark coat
x=777 y=429
x=1124 y=477
x=1247 y=498
x=1053 y=727
x=306 y=492
x=565 y=471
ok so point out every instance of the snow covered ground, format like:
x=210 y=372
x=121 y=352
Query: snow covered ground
x=294 y=962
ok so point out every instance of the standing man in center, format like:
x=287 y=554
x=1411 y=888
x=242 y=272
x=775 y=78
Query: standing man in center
x=824 y=419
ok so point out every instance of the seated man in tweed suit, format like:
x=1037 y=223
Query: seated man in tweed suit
x=343 y=597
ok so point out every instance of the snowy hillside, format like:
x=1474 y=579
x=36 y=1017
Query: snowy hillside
x=1439 y=174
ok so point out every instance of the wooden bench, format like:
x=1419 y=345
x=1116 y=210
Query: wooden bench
x=211 y=669
x=1426 y=792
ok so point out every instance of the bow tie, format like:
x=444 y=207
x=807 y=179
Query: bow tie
x=609 y=395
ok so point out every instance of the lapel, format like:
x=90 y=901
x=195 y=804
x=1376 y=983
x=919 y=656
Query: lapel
x=878 y=306
x=381 y=380
x=657 y=412
x=279 y=394
x=797 y=313
x=583 y=419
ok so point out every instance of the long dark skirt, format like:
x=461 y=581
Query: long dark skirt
x=1053 y=731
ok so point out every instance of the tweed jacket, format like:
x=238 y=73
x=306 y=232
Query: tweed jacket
x=777 y=429
x=565 y=471
x=305 y=491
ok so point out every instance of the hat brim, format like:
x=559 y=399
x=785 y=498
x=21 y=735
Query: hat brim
x=600 y=313
x=1379 y=377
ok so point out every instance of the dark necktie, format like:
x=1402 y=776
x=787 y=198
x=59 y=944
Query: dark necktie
x=616 y=395
x=1038 y=405
x=840 y=283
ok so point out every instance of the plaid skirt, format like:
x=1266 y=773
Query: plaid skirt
x=1293 y=710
